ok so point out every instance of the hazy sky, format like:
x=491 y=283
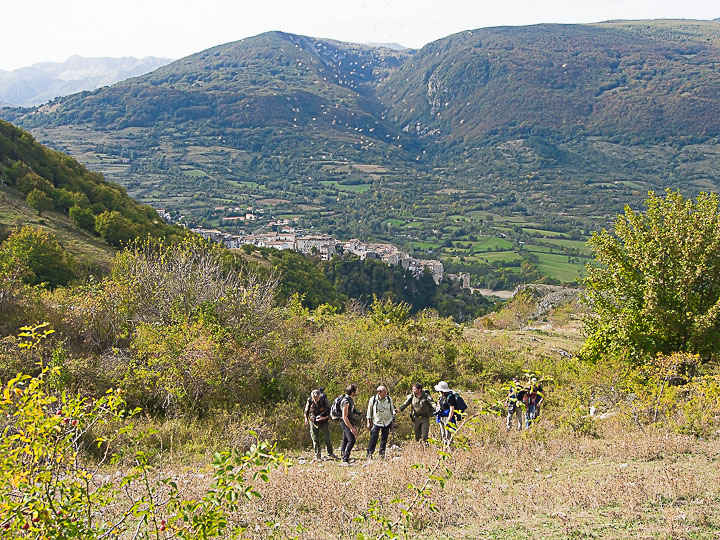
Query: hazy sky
x=51 y=30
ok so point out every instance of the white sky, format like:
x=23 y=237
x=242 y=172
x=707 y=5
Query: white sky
x=51 y=30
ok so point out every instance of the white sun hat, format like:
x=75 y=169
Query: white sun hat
x=442 y=386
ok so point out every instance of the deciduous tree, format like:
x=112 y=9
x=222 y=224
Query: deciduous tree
x=82 y=217
x=37 y=257
x=39 y=201
x=656 y=287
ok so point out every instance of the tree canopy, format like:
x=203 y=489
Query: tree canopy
x=656 y=288
x=37 y=257
x=39 y=201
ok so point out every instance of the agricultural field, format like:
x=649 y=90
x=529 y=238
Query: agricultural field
x=579 y=245
x=395 y=222
x=492 y=243
x=496 y=236
x=424 y=245
x=413 y=224
x=352 y=188
x=561 y=267
x=503 y=256
x=543 y=233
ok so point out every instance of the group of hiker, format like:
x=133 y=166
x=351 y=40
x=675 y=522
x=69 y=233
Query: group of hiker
x=380 y=417
x=524 y=403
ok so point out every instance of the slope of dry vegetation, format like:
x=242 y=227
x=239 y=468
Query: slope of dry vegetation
x=211 y=360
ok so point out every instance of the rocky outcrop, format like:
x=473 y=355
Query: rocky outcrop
x=548 y=297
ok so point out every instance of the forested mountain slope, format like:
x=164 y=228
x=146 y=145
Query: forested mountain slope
x=631 y=82
x=279 y=82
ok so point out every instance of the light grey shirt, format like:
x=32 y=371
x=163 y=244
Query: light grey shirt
x=380 y=411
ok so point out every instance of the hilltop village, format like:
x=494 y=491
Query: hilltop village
x=326 y=247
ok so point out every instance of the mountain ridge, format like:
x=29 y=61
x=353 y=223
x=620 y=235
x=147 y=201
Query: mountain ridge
x=43 y=81
x=582 y=76
x=489 y=139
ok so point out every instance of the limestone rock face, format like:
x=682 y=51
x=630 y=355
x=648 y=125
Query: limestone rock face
x=548 y=297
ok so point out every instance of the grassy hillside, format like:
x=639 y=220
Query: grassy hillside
x=87 y=247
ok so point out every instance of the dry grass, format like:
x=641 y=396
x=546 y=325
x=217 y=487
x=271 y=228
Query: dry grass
x=541 y=483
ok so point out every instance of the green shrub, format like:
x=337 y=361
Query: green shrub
x=48 y=482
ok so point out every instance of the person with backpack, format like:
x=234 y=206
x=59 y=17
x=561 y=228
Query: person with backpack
x=380 y=417
x=533 y=399
x=540 y=396
x=317 y=414
x=422 y=407
x=514 y=404
x=451 y=408
x=347 y=412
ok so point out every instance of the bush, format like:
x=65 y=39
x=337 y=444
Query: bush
x=115 y=229
x=36 y=257
x=48 y=482
x=82 y=217
x=39 y=201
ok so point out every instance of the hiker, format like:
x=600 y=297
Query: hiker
x=448 y=413
x=541 y=396
x=421 y=408
x=380 y=417
x=347 y=421
x=531 y=399
x=317 y=414
x=514 y=404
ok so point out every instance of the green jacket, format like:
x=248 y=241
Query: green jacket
x=422 y=407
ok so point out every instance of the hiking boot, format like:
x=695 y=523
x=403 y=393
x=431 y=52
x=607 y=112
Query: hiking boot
x=333 y=456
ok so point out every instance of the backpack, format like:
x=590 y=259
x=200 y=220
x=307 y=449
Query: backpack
x=460 y=405
x=374 y=405
x=336 y=408
x=512 y=402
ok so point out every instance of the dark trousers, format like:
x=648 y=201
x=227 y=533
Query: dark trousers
x=376 y=430
x=348 y=441
x=321 y=430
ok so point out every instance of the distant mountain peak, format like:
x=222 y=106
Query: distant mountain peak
x=393 y=46
x=41 y=82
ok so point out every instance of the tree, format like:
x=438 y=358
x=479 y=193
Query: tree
x=30 y=181
x=115 y=228
x=39 y=201
x=656 y=288
x=300 y=274
x=37 y=256
x=82 y=217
